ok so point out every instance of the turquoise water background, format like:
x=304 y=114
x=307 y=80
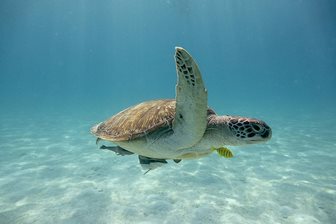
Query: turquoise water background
x=66 y=65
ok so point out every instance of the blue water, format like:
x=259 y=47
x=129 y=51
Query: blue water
x=66 y=65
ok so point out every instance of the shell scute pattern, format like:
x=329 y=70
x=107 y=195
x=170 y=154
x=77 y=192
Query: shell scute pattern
x=137 y=121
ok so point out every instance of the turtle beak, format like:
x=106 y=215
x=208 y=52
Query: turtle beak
x=267 y=135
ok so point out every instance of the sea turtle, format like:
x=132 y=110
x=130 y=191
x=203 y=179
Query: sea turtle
x=181 y=128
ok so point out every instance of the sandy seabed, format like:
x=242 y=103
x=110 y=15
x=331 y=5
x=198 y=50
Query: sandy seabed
x=51 y=171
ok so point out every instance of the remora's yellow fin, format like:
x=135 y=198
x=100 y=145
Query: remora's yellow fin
x=225 y=152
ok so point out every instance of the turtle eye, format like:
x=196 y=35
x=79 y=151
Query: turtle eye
x=256 y=127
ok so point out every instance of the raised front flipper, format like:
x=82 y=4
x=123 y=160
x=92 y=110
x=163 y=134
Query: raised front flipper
x=191 y=102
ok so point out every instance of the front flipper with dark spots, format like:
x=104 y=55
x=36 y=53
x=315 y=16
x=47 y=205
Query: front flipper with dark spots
x=150 y=163
x=117 y=149
x=190 y=119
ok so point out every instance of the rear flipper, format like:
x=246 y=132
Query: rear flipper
x=117 y=149
x=150 y=163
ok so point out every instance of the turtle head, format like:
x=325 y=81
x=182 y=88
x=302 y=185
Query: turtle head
x=234 y=130
x=248 y=130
